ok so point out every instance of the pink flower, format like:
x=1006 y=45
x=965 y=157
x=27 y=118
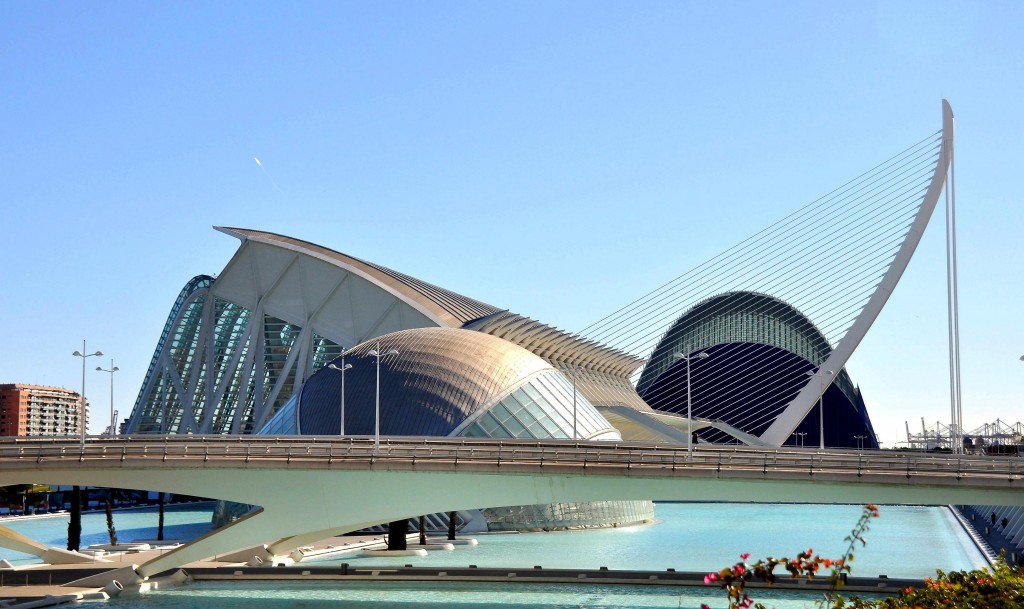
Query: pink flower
x=705 y=606
x=745 y=556
x=710 y=577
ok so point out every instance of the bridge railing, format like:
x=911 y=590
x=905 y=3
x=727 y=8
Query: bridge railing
x=331 y=451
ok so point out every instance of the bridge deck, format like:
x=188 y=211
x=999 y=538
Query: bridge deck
x=482 y=455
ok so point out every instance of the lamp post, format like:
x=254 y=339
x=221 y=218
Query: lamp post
x=341 y=369
x=574 y=369
x=800 y=436
x=376 y=423
x=860 y=442
x=821 y=407
x=689 y=400
x=113 y=369
x=81 y=418
x=164 y=429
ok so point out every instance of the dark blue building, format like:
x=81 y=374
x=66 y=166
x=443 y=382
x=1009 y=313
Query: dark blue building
x=748 y=356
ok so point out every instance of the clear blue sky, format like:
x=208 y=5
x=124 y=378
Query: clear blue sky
x=553 y=158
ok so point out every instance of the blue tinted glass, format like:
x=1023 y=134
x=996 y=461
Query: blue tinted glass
x=283 y=422
x=499 y=412
x=531 y=391
x=492 y=427
x=474 y=431
x=516 y=428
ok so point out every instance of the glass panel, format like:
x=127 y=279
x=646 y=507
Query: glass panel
x=493 y=429
x=537 y=430
x=282 y=423
x=521 y=397
x=500 y=413
x=516 y=428
x=551 y=405
x=474 y=431
x=531 y=391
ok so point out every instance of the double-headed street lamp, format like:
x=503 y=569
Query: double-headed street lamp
x=342 y=368
x=800 y=436
x=81 y=416
x=860 y=442
x=689 y=399
x=376 y=424
x=113 y=369
x=821 y=406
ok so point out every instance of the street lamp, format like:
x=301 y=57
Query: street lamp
x=800 y=436
x=821 y=407
x=113 y=369
x=689 y=400
x=341 y=369
x=860 y=442
x=376 y=423
x=81 y=419
x=574 y=369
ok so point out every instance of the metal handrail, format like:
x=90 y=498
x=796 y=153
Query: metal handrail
x=502 y=453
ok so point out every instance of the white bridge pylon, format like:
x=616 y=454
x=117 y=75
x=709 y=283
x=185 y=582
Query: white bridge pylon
x=311 y=488
x=790 y=418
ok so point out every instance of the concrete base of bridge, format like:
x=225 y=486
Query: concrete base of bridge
x=13 y=540
x=125 y=576
x=127 y=581
x=246 y=555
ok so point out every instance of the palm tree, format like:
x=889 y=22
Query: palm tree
x=160 y=519
x=109 y=509
x=75 y=523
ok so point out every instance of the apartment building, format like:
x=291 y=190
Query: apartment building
x=35 y=410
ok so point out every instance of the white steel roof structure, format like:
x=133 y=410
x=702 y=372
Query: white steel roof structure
x=237 y=347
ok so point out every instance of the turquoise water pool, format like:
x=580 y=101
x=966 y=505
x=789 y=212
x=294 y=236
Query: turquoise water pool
x=181 y=522
x=419 y=595
x=903 y=542
x=906 y=541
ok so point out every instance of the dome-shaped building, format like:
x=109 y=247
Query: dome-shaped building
x=748 y=355
x=443 y=382
x=454 y=382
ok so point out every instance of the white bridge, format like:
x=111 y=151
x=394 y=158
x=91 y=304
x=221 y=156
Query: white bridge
x=311 y=488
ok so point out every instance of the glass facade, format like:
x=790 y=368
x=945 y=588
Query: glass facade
x=574 y=515
x=540 y=408
x=218 y=368
x=283 y=423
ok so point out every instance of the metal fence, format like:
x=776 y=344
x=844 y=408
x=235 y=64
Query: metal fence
x=613 y=458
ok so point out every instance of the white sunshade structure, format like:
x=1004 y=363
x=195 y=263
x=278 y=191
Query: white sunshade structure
x=237 y=347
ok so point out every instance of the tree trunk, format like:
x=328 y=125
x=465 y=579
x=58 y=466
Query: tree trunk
x=109 y=509
x=75 y=523
x=397 y=531
x=423 y=530
x=160 y=519
x=451 y=525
